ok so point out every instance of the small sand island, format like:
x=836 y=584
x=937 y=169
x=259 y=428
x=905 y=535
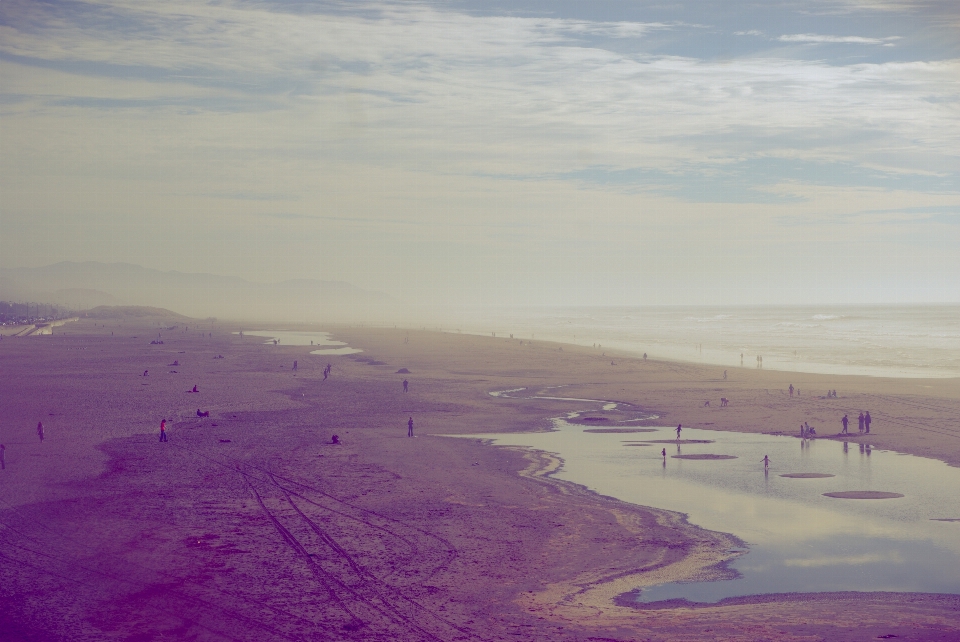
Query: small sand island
x=862 y=494
x=807 y=475
x=618 y=431
x=705 y=456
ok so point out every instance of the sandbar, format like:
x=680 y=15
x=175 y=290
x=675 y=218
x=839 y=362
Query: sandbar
x=705 y=456
x=863 y=494
x=807 y=475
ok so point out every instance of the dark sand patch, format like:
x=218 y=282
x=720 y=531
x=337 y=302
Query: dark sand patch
x=863 y=494
x=619 y=430
x=707 y=456
x=945 y=519
x=807 y=475
x=595 y=419
x=638 y=444
x=682 y=441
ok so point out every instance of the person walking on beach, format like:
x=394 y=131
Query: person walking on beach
x=294 y=364
x=40 y=431
x=679 y=427
x=3 y=464
x=405 y=384
x=844 y=421
x=861 y=418
x=410 y=427
x=163 y=430
x=866 y=422
x=664 y=454
x=791 y=389
x=766 y=462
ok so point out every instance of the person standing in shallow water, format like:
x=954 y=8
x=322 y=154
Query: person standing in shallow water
x=410 y=427
x=866 y=422
x=766 y=462
x=679 y=427
x=664 y=454
x=163 y=430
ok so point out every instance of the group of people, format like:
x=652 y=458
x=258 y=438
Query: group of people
x=3 y=463
x=863 y=421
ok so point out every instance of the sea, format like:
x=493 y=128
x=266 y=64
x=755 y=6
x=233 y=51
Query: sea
x=883 y=341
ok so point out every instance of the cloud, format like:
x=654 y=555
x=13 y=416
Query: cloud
x=451 y=92
x=752 y=32
x=392 y=115
x=816 y=38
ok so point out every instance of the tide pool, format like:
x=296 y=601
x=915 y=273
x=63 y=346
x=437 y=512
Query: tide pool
x=797 y=539
x=325 y=345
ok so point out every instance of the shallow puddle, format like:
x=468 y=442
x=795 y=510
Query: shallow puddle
x=321 y=340
x=798 y=539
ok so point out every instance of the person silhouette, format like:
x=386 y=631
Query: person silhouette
x=405 y=384
x=766 y=462
x=40 y=430
x=410 y=427
x=163 y=430
x=866 y=422
x=844 y=421
x=679 y=428
x=664 y=454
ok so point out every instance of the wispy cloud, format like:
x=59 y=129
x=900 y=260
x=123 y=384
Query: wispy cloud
x=383 y=111
x=817 y=38
x=464 y=93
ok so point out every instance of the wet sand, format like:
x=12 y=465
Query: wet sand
x=250 y=525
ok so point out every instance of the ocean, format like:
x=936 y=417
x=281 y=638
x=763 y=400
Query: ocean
x=883 y=341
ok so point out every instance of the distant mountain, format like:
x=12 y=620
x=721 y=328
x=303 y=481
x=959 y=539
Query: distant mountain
x=91 y=284
x=132 y=311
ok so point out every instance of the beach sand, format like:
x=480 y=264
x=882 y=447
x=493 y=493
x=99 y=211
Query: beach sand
x=251 y=525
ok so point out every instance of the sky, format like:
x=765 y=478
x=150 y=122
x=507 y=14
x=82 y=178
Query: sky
x=608 y=152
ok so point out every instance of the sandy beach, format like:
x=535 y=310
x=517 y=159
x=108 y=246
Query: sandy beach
x=250 y=524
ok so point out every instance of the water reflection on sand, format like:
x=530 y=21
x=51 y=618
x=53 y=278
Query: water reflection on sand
x=799 y=540
x=325 y=345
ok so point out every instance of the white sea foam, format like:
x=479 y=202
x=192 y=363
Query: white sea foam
x=913 y=341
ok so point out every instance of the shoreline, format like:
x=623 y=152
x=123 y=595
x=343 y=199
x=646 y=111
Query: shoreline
x=482 y=540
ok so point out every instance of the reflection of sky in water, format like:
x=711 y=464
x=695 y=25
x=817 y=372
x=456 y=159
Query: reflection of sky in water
x=321 y=340
x=799 y=540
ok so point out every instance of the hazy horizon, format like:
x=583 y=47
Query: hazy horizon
x=493 y=153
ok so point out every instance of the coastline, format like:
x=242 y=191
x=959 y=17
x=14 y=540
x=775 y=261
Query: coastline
x=481 y=539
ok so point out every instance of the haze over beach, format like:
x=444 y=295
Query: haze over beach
x=479 y=320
